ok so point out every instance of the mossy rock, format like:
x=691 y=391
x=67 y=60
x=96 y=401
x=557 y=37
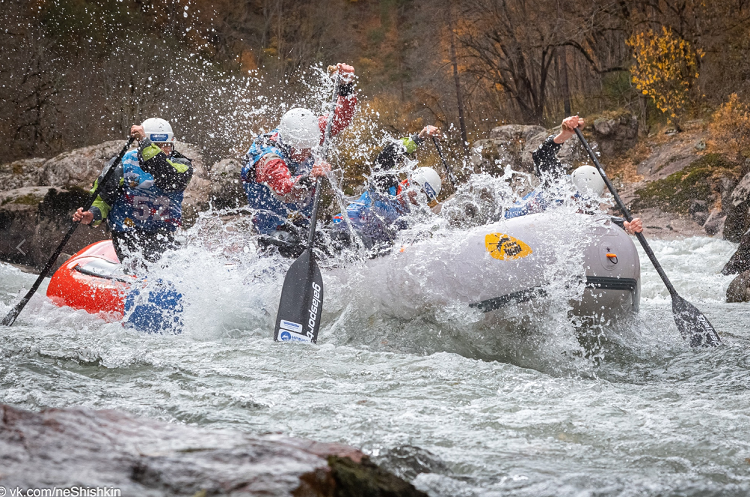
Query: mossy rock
x=698 y=181
x=366 y=479
x=28 y=199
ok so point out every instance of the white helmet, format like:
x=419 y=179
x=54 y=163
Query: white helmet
x=429 y=180
x=158 y=130
x=588 y=180
x=299 y=129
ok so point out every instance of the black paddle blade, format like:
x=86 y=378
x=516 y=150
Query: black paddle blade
x=301 y=302
x=693 y=325
x=10 y=318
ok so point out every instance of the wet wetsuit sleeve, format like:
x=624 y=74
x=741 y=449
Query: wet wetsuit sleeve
x=170 y=175
x=274 y=172
x=344 y=113
x=546 y=163
x=108 y=194
x=389 y=157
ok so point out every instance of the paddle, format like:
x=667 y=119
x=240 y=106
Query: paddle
x=298 y=319
x=448 y=169
x=13 y=314
x=693 y=325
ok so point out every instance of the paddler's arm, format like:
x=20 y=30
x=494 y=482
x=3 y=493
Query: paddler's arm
x=548 y=167
x=631 y=228
x=274 y=172
x=346 y=102
x=170 y=175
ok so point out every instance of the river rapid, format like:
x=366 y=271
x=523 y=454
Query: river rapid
x=453 y=403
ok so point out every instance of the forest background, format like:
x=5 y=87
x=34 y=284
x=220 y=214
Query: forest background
x=79 y=72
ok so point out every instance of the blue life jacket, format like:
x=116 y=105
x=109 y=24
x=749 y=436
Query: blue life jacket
x=142 y=205
x=372 y=215
x=538 y=200
x=271 y=212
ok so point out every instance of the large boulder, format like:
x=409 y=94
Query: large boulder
x=738 y=210
x=196 y=198
x=226 y=185
x=21 y=173
x=695 y=190
x=73 y=448
x=616 y=133
x=667 y=158
x=80 y=167
x=739 y=288
x=34 y=220
x=510 y=144
x=740 y=260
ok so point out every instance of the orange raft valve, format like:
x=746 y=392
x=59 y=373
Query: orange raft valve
x=612 y=257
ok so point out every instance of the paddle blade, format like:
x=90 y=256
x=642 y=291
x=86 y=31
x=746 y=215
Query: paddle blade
x=10 y=318
x=693 y=325
x=301 y=302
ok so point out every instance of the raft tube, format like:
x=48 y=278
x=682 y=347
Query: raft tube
x=497 y=266
x=92 y=280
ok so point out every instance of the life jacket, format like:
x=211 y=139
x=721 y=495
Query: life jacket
x=372 y=207
x=538 y=200
x=142 y=205
x=271 y=213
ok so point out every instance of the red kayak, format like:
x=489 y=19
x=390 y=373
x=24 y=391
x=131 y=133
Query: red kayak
x=91 y=280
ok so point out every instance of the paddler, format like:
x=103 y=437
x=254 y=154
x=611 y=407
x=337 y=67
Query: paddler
x=377 y=215
x=142 y=201
x=551 y=171
x=279 y=171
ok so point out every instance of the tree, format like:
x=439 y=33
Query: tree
x=665 y=68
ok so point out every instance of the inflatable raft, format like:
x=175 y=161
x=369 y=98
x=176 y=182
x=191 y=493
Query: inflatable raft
x=588 y=260
x=93 y=280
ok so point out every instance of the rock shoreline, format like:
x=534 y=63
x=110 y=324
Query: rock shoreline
x=77 y=447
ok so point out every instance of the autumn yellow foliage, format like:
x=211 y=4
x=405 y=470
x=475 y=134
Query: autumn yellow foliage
x=664 y=69
x=730 y=127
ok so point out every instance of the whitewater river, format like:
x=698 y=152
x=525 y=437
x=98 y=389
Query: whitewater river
x=454 y=405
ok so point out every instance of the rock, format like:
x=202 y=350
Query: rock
x=506 y=146
x=672 y=156
x=226 y=185
x=739 y=288
x=80 y=167
x=616 y=134
x=738 y=210
x=67 y=448
x=34 y=220
x=714 y=223
x=740 y=260
x=701 y=181
x=513 y=145
x=700 y=217
x=701 y=145
x=21 y=173
x=510 y=133
x=698 y=210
